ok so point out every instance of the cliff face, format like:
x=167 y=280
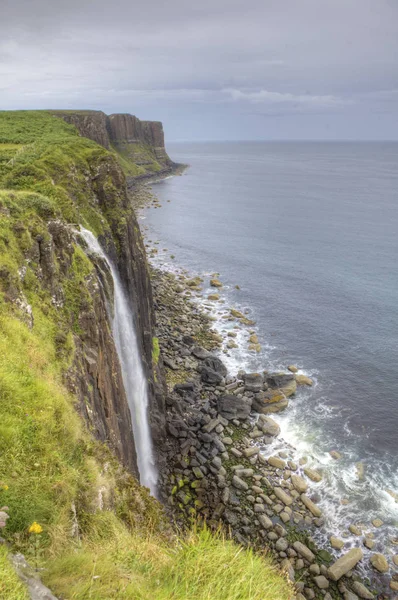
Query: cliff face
x=87 y=186
x=139 y=142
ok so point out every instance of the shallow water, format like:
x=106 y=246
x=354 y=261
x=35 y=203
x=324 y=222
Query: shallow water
x=309 y=231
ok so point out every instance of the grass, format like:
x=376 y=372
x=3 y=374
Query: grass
x=51 y=469
x=203 y=566
x=10 y=586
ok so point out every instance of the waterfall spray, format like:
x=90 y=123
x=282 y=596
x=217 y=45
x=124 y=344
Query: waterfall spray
x=134 y=379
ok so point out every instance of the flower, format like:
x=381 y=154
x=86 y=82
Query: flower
x=35 y=528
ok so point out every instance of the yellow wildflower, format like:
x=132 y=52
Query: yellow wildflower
x=35 y=528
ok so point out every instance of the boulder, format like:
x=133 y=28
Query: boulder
x=215 y=364
x=361 y=591
x=276 y=462
x=200 y=352
x=336 y=543
x=283 y=496
x=239 y=484
x=253 y=382
x=211 y=377
x=379 y=562
x=270 y=401
x=303 y=380
x=335 y=454
x=321 y=582
x=304 y=551
x=231 y=407
x=313 y=475
x=345 y=563
x=299 y=483
x=215 y=283
x=292 y=369
x=285 y=382
x=265 y=522
x=313 y=508
x=268 y=426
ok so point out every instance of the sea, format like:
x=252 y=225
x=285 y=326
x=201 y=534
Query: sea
x=309 y=233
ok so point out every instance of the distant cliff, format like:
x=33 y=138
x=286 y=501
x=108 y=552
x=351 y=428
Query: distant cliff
x=139 y=144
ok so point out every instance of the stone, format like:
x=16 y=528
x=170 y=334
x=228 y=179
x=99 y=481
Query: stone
x=369 y=543
x=285 y=382
x=281 y=545
x=292 y=369
x=276 y=462
x=350 y=596
x=216 y=283
x=335 y=454
x=394 y=585
x=215 y=364
x=361 y=591
x=244 y=473
x=268 y=426
x=253 y=382
x=265 y=522
x=283 y=496
x=270 y=403
x=336 y=543
x=355 y=530
x=200 y=353
x=213 y=297
x=304 y=551
x=231 y=407
x=321 y=582
x=345 y=563
x=303 y=380
x=379 y=562
x=377 y=523
x=313 y=475
x=239 y=483
x=36 y=589
x=211 y=377
x=210 y=425
x=299 y=483
x=313 y=508
x=395 y=559
x=252 y=451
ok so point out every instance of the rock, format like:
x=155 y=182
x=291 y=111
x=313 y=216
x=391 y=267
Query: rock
x=355 y=530
x=394 y=585
x=270 y=402
x=299 y=483
x=292 y=369
x=350 y=596
x=321 y=582
x=200 y=352
x=253 y=382
x=213 y=297
x=304 y=551
x=285 y=382
x=231 y=407
x=210 y=425
x=360 y=471
x=268 y=426
x=336 y=543
x=395 y=559
x=239 y=484
x=215 y=364
x=369 y=543
x=313 y=508
x=276 y=462
x=37 y=590
x=216 y=283
x=237 y=314
x=283 y=496
x=313 y=475
x=281 y=545
x=361 y=590
x=379 y=562
x=211 y=377
x=345 y=563
x=334 y=454
x=252 y=451
x=265 y=522
x=377 y=523
x=303 y=380
x=170 y=363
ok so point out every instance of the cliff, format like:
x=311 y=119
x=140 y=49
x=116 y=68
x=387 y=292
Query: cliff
x=69 y=496
x=138 y=144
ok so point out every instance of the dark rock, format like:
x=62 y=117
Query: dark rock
x=200 y=353
x=215 y=364
x=231 y=407
x=253 y=382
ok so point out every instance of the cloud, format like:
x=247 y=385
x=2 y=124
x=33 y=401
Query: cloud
x=296 y=100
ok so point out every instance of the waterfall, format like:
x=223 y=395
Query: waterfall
x=134 y=379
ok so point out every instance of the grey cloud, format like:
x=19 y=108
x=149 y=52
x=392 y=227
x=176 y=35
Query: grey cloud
x=185 y=62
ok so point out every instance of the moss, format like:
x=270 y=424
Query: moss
x=155 y=351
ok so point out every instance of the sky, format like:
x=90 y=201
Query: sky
x=209 y=69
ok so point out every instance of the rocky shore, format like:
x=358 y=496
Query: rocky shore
x=219 y=467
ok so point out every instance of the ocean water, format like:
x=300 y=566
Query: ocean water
x=309 y=231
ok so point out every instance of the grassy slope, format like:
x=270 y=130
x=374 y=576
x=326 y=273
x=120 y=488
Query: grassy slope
x=48 y=461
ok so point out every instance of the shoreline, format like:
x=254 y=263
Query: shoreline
x=188 y=288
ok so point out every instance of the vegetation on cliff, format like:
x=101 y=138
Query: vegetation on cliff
x=103 y=535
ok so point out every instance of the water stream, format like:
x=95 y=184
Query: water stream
x=134 y=379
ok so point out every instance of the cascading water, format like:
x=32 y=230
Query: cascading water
x=134 y=380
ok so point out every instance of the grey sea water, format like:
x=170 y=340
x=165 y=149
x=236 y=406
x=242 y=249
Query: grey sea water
x=309 y=231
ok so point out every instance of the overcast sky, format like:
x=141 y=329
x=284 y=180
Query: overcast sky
x=210 y=69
